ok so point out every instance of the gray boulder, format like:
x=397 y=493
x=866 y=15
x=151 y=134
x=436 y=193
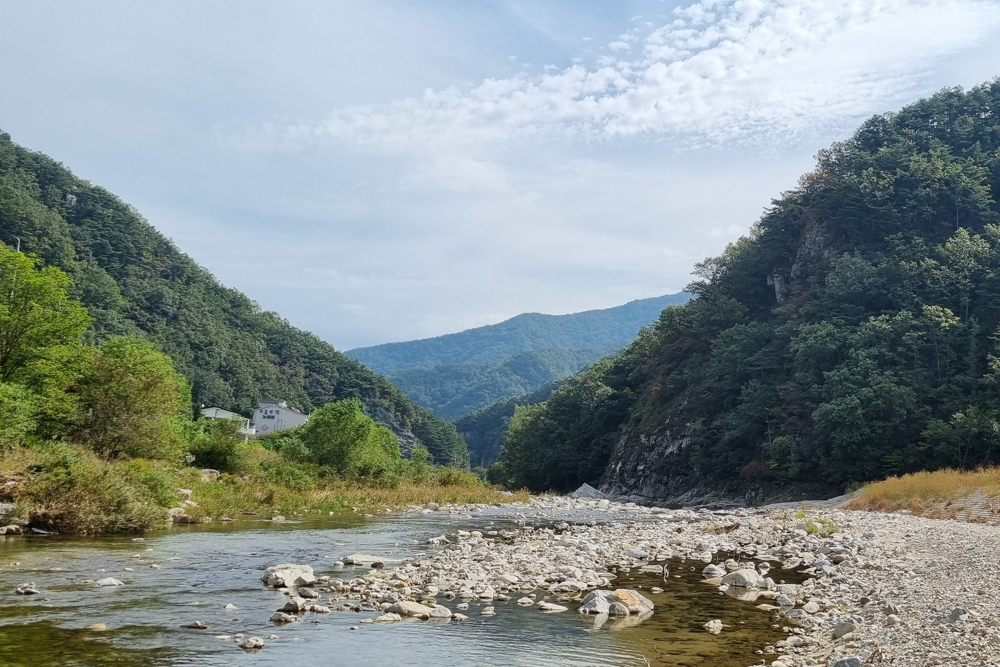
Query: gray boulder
x=589 y=492
x=288 y=575
x=744 y=579
x=597 y=602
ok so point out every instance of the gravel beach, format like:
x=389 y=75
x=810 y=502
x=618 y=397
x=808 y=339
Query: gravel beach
x=873 y=588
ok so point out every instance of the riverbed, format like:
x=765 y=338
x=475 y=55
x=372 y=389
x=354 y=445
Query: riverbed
x=191 y=573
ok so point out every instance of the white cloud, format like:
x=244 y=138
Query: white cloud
x=715 y=72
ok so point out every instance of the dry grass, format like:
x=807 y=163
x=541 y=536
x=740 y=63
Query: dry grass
x=931 y=494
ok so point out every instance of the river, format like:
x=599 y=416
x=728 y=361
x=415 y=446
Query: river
x=205 y=567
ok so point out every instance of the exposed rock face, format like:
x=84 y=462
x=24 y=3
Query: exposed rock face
x=643 y=468
x=406 y=438
x=642 y=465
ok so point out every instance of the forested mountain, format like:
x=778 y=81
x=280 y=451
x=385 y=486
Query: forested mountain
x=133 y=280
x=484 y=429
x=453 y=390
x=456 y=374
x=606 y=329
x=853 y=334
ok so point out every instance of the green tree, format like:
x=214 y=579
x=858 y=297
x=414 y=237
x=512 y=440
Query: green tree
x=342 y=437
x=38 y=319
x=135 y=402
x=18 y=410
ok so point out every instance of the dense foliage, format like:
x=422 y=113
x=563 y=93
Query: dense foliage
x=96 y=438
x=852 y=335
x=608 y=329
x=134 y=281
x=451 y=391
x=484 y=429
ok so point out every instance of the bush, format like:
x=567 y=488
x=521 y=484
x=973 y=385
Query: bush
x=455 y=477
x=342 y=437
x=418 y=468
x=218 y=444
x=70 y=489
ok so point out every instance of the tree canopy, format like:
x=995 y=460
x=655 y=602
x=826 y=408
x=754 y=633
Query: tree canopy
x=850 y=336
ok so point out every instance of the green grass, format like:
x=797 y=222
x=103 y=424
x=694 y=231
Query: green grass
x=71 y=490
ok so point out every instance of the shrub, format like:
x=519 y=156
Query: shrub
x=218 y=444
x=342 y=437
x=70 y=489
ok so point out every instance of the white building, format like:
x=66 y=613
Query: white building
x=272 y=416
x=221 y=413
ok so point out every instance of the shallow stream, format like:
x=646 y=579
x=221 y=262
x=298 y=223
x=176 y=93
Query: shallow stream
x=205 y=567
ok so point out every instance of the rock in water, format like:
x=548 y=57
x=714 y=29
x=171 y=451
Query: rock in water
x=196 y=625
x=744 y=579
x=712 y=571
x=618 y=609
x=587 y=491
x=440 y=611
x=408 y=608
x=109 y=581
x=294 y=605
x=288 y=575
x=596 y=602
x=634 y=601
x=252 y=644
x=714 y=627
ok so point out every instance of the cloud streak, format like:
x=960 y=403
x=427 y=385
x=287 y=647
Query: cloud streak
x=718 y=71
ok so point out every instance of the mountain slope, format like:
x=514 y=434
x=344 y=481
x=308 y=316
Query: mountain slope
x=606 y=329
x=451 y=391
x=484 y=429
x=132 y=279
x=852 y=335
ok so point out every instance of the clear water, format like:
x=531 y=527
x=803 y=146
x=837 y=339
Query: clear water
x=203 y=568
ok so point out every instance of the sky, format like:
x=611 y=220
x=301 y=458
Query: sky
x=389 y=170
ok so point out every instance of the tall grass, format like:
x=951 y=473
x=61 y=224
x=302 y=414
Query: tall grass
x=71 y=490
x=230 y=497
x=919 y=492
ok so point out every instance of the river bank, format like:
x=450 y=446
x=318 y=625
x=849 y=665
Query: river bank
x=849 y=588
x=878 y=588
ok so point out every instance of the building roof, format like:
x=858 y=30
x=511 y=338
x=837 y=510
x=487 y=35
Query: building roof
x=215 y=412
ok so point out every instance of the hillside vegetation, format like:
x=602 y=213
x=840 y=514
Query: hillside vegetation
x=452 y=391
x=134 y=281
x=97 y=438
x=484 y=429
x=604 y=330
x=851 y=336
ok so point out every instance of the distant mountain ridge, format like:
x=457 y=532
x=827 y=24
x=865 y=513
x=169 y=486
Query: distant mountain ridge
x=460 y=373
x=606 y=329
x=453 y=390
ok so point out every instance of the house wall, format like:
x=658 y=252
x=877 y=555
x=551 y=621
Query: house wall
x=271 y=419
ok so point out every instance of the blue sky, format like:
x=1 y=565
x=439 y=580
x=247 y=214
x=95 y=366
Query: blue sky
x=389 y=170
